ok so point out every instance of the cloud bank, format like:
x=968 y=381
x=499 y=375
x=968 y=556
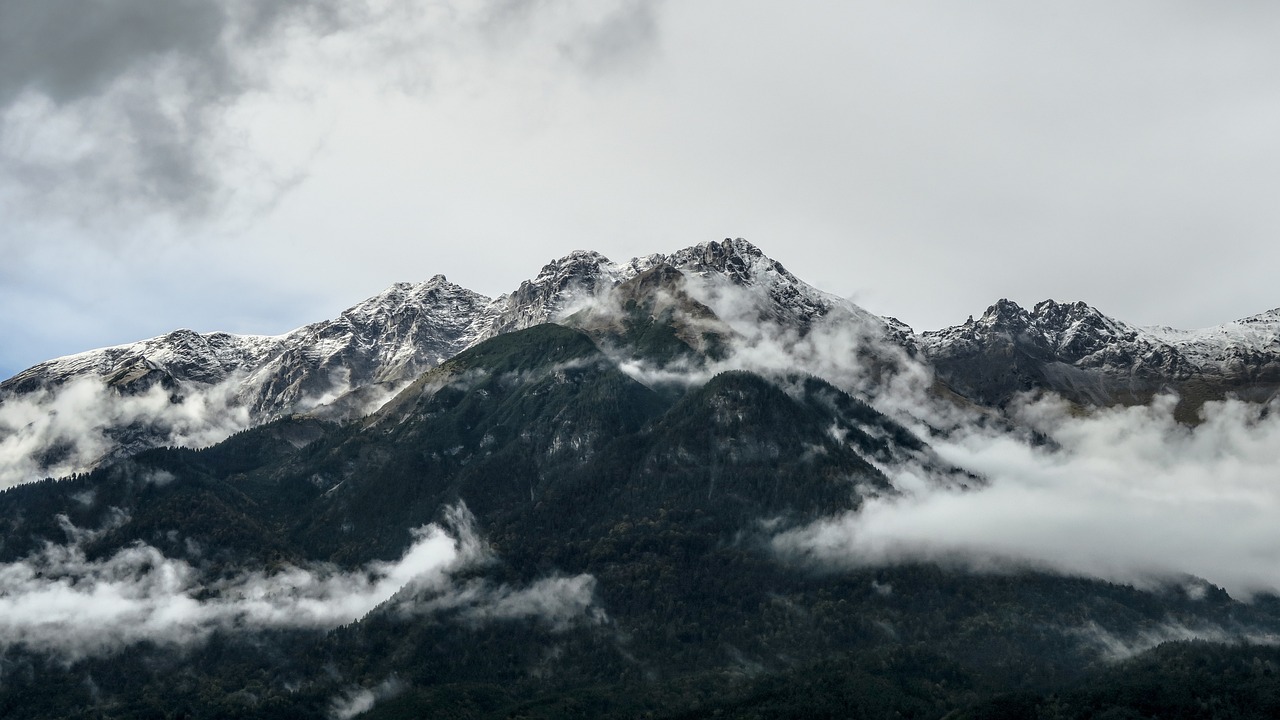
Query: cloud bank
x=57 y=601
x=1123 y=494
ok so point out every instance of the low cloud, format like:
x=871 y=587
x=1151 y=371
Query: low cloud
x=53 y=432
x=58 y=601
x=558 y=602
x=1124 y=494
x=847 y=346
x=1115 y=646
x=60 y=430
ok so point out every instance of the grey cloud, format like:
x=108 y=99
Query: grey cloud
x=119 y=104
x=619 y=39
x=69 y=50
x=127 y=108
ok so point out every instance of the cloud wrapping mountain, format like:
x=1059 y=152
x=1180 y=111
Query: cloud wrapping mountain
x=1127 y=494
x=1123 y=494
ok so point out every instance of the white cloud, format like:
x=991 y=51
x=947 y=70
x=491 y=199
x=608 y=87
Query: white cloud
x=61 y=602
x=58 y=431
x=1128 y=495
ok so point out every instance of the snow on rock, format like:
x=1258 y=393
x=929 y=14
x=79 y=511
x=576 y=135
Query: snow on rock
x=211 y=384
x=1249 y=345
x=186 y=388
x=568 y=284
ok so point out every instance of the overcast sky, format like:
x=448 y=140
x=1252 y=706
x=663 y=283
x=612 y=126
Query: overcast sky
x=216 y=165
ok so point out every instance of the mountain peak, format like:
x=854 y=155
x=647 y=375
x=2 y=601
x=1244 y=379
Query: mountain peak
x=578 y=262
x=735 y=257
x=1005 y=311
x=1065 y=313
x=1050 y=306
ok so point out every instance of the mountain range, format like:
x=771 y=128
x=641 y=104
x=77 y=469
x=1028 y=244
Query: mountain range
x=670 y=487
x=347 y=367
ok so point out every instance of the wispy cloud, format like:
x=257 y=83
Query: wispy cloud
x=360 y=700
x=54 y=432
x=1115 y=646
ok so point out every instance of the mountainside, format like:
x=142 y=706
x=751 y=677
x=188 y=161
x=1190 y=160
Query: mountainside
x=398 y=333
x=527 y=530
x=188 y=388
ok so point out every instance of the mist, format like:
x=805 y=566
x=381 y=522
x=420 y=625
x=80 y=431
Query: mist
x=59 y=430
x=847 y=346
x=54 y=432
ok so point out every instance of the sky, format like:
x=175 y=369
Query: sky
x=248 y=167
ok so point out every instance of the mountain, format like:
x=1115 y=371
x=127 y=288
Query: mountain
x=188 y=388
x=1074 y=350
x=395 y=334
x=193 y=389
x=707 y=490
